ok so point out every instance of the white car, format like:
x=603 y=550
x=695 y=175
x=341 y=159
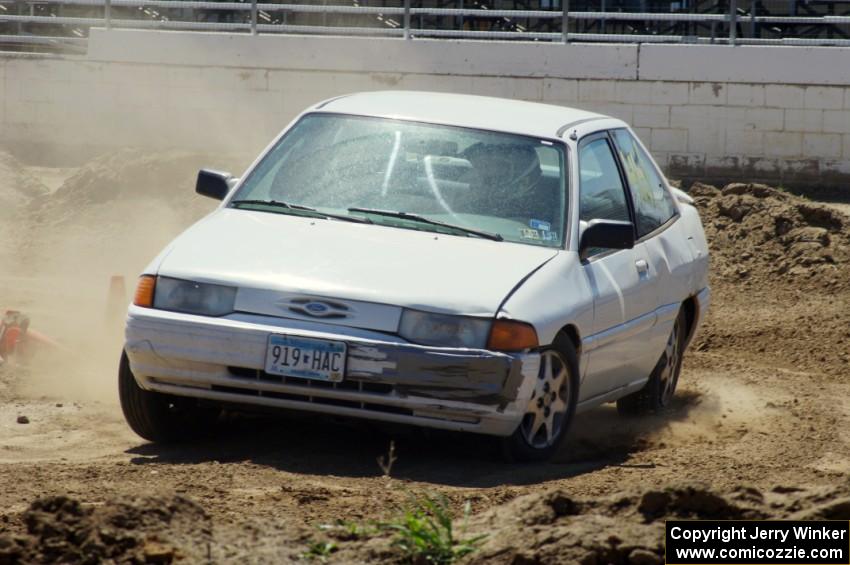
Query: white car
x=448 y=261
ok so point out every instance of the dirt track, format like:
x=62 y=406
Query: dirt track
x=761 y=422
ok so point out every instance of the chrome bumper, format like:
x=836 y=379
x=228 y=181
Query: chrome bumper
x=222 y=359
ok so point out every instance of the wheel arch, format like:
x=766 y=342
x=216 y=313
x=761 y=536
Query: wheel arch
x=571 y=331
x=690 y=308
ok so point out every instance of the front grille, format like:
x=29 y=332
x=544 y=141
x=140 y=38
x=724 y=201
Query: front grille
x=243 y=372
x=347 y=385
x=353 y=385
x=235 y=390
x=351 y=394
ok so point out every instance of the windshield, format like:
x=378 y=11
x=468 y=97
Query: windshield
x=498 y=184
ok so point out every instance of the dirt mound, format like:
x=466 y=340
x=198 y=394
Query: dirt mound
x=761 y=234
x=627 y=527
x=780 y=276
x=136 y=530
x=128 y=176
x=17 y=187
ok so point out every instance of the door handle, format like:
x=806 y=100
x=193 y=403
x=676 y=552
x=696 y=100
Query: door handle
x=642 y=266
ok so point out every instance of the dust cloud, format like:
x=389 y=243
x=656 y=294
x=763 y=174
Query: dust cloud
x=62 y=252
x=75 y=217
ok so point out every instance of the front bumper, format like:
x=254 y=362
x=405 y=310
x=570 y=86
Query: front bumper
x=222 y=359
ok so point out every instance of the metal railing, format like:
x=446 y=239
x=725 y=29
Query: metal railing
x=562 y=25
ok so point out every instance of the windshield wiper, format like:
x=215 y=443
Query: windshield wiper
x=424 y=220
x=302 y=208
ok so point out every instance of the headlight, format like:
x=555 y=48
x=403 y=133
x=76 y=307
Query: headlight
x=444 y=330
x=193 y=297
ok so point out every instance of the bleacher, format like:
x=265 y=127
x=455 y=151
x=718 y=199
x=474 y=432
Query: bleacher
x=62 y=25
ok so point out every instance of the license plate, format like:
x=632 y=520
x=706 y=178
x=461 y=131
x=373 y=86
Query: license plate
x=306 y=358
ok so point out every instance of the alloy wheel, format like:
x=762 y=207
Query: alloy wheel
x=669 y=373
x=544 y=420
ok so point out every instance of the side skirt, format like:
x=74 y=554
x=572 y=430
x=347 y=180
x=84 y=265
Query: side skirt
x=611 y=396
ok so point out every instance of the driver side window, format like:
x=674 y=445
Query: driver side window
x=653 y=204
x=601 y=191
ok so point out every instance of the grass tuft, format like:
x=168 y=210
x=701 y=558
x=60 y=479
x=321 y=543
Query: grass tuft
x=424 y=533
x=319 y=551
x=347 y=530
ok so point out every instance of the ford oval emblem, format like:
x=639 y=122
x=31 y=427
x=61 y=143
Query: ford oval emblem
x=316 y=307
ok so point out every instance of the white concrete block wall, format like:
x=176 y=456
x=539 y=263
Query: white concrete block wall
x=745 y=94
x=560 y=91
x=803 y=120
x=668 y=140
x=744 y=142
x=825 y=145
x=836 y=121
x=651 y=116
x=784 y=96
x=783 y=143
x=234 y=93
x=826 y=97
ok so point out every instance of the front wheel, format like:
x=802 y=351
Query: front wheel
x=161 y=417
x=551 y=408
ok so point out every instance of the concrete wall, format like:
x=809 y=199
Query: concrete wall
x=777 y=114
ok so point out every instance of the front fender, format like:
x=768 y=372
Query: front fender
x=556 y=295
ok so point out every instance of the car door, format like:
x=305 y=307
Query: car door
x=668 y=253
x=624 y=296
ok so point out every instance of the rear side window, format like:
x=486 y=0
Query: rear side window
x=601 y=192
x=653 y=203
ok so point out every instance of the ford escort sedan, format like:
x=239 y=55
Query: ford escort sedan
x=448 y=261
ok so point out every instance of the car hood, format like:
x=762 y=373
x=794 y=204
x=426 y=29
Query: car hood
x=346 y=260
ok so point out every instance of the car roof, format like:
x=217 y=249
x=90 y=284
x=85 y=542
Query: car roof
x=465 y=110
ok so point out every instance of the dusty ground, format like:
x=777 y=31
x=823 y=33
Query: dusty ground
x=760 y=427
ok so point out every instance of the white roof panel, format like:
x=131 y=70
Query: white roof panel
x=465 y=110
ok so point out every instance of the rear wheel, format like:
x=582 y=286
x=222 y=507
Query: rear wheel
x=551 y=408
x=161 y=417
x=658 y=392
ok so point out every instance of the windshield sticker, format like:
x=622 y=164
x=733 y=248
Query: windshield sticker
x=539 y=225
x=550 y=236
x=529 y=233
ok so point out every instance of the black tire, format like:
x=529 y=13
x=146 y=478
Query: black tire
x=658 y=392
x=161 y=417
x=518 y=447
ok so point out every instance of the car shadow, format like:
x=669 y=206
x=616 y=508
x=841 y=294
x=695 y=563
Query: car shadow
x=320 y=445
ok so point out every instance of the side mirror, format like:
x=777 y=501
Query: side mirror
x=606 y=234
x=214 y=184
